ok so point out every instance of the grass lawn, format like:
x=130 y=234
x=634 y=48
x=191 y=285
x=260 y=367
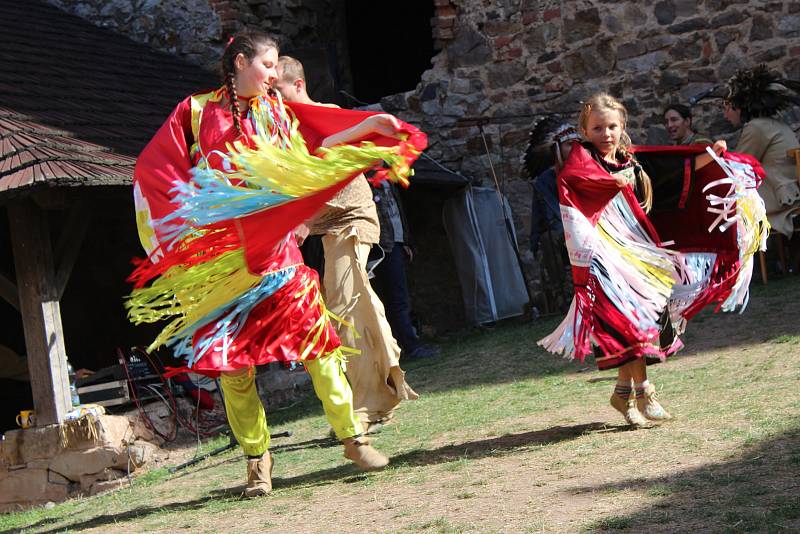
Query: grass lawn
x=507 y=438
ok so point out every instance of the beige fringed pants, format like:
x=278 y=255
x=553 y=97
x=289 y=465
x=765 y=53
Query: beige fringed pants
x=375 y=376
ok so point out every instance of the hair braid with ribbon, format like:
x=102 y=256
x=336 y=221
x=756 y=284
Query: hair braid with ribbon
x=249 y=44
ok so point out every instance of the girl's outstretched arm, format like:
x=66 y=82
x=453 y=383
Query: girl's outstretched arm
x=704 y=159
x=382 y=124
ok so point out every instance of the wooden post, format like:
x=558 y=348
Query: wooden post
x=41 y=313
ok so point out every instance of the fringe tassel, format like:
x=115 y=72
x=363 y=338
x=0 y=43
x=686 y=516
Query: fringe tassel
x=636 y=274
x=741 y=205
x=203 y=247
x=630 y=281
x=202 y=276
x=75 y=431
x=562 y=339
x=191 y=294
x=694 y=275
x=228 y=320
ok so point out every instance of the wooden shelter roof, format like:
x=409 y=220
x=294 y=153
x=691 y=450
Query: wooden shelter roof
x=78 y=102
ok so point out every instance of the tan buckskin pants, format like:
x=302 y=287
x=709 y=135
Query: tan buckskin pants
x=375 y=376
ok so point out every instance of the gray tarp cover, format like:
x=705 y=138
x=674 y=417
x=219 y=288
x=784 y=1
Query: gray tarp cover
x=488 y=270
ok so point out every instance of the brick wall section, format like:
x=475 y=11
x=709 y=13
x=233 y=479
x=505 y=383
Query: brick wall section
x=443 y=23
x=508 y=60
x=228 y=16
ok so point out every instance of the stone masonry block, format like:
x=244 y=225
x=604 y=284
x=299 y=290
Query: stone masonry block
x=9 y=449
x=72 y=464
x=42 y=463
x=102 y=487
x=445 y=11
x=140 y=430
x=38 y=442
x=106 y=475
x=55 y=478
x=25 y=485
x=140 y=452
x=114 y=430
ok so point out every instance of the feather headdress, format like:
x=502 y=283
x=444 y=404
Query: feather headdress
x=543 y=143
x=758 y=92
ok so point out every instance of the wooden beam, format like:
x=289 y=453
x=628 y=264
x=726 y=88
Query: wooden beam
x=69 y=244
x=41 y=313
x=8 y=290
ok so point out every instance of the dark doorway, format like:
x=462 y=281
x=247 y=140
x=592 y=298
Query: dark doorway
x=390 y=45
x=12 y=334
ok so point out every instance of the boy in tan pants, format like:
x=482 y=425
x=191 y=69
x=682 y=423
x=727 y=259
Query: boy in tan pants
x=349 y=227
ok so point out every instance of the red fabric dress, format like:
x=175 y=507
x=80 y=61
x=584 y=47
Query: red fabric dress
x=283 y=315
x=638 y=278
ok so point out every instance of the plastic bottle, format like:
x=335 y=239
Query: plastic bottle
x=73 y=390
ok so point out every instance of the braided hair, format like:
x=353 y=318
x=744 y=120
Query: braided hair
x=606 y=102
x=248 y=43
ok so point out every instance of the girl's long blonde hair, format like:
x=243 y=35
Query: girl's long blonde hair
x=605 y=102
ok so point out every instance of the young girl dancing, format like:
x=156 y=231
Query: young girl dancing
x=632 y=294
x=218 y=192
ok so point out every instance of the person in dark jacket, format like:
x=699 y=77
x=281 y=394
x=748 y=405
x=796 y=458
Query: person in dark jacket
x=548 y=147
x=390 y=280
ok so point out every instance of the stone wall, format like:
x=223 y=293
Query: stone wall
x=192 y=29
x=511 y=60
x=37 y=467
x=514 y=59
x=197 y=30
x=299 y=25
x=502 y=63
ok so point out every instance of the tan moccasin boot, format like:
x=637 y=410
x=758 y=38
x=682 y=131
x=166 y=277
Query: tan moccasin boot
x=650 y=407
x=364 y=455
x=259 y=476
x=628 y=409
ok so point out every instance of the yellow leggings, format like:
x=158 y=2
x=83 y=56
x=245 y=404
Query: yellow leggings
x=246 y=414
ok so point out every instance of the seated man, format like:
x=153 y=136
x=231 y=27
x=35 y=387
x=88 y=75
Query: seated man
x=678 y=121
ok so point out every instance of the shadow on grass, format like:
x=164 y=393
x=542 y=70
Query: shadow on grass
x=348 y=473
x=502 y=445
x=759 y=491
x=506 y=354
